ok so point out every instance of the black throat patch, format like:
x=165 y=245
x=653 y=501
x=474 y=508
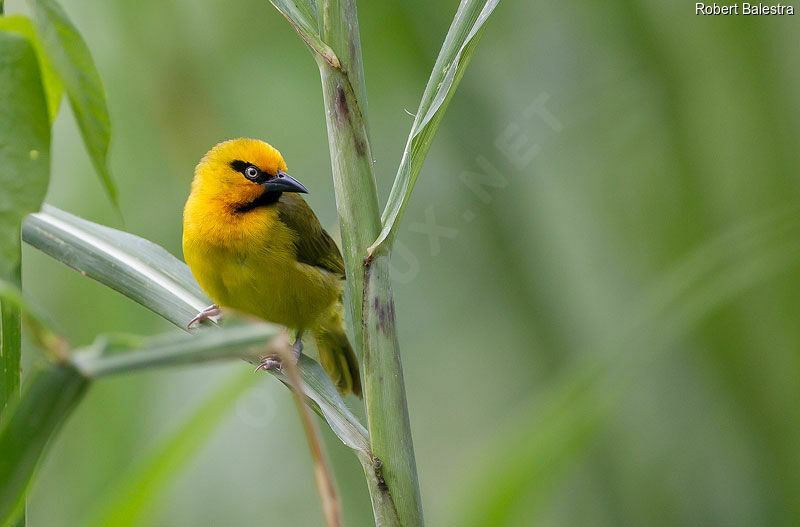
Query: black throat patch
x=266 y=198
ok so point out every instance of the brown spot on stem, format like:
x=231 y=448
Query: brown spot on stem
x=380 y=313
x=341 y=103
x=361 y=146
x=390 y=312
x=378 y=464
x=343 y=111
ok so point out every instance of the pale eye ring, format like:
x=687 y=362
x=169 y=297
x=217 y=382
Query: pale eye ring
x=251 y=172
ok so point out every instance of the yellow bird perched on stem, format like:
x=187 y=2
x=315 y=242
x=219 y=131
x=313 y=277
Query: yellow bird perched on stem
x=255 y=245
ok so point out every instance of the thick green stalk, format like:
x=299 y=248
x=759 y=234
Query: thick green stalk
x=357 y=203
x=353 y=181
x=384 y=389
x=382 y=503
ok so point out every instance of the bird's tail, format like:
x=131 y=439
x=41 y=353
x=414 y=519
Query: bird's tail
x=337 y=356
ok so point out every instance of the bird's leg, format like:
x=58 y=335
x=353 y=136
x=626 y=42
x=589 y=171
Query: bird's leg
x=275 y=362
x=297 y=347
x=211 y=311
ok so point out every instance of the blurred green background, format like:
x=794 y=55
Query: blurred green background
x=605 y=332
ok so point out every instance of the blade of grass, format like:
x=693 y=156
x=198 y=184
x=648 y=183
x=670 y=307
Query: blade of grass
x=456 y=52
x=12 y=488
x=24 y=174
x=171 y=350
x=49 y=397
x=139 y=489
x=133 y=266
x=73 y=62
x=327 y=402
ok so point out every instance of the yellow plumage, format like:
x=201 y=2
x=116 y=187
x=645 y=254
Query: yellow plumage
x=255 y=245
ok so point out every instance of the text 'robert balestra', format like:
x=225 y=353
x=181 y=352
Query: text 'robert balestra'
x=743 y=9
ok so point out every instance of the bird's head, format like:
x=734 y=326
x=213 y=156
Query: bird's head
x=243 y=173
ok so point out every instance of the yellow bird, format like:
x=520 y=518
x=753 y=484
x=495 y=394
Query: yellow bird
x=255 y=245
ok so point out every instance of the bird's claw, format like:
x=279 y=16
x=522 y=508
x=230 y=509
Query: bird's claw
x=209 y=312
x=272 y=362
x=275 y=362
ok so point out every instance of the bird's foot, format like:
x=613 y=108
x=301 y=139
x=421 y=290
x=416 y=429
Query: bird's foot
x=211 y=311
x=271 y=362
x=275 y=362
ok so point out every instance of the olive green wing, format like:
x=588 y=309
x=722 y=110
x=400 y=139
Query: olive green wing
x=314 y=245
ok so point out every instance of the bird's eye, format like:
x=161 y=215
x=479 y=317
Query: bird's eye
x=251 y=172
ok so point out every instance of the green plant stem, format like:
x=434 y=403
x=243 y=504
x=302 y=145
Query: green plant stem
x=384 y=387
x=353 y=181
x=49 y=397
x=11 y=336
x=357 y=203
x=10 y=347
x=384 y=390
x=382 y=503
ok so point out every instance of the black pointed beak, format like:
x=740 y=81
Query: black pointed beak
x=283 y=182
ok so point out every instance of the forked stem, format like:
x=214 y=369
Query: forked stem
x=371 y=302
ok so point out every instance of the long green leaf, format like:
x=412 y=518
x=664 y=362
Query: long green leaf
x=456 y=52
x=145 y=272
x=302 y=16
x=73 y=62
x=47 y=400
x=327 y=402
x=133 y=266
x=124 y=354
x=128 y=354
x=137 y=489
x=53 y=88
x=24 y=175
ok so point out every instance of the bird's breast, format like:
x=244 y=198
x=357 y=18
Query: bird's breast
x=248 y=261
